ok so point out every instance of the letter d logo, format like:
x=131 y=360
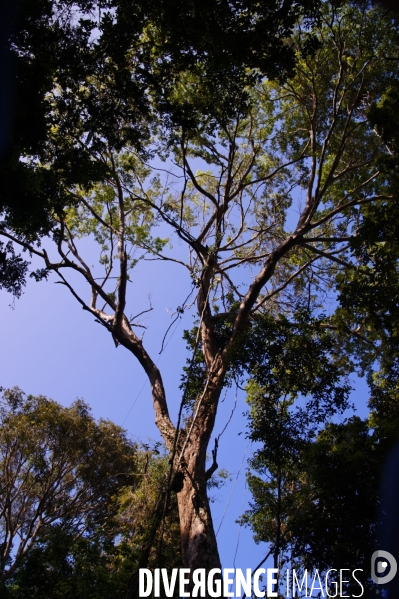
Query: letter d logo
x=383 y=567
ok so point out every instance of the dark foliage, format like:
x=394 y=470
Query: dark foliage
x=12 y=270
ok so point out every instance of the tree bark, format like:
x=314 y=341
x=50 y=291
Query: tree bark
x=199 y=547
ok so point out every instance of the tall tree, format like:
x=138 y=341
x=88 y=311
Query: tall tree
x=268 y=217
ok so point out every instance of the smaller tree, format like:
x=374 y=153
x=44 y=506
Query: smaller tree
x=316 y=483
x=59 y=474
x=298 y=382
x=99 y=565
x=337 y=523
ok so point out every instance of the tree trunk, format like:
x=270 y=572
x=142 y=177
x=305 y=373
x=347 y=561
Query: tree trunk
x=198 y=539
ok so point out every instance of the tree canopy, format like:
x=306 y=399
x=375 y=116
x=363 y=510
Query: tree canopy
x=57 y=465
x=315 y=483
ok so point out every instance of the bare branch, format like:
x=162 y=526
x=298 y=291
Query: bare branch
x=329 y=256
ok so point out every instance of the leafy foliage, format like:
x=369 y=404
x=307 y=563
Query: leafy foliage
x=323 y=510
x=140 y=512
x=57 y=464
x=296 y=384
x=78 y=500
x=12 y=270
x=316 y=483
